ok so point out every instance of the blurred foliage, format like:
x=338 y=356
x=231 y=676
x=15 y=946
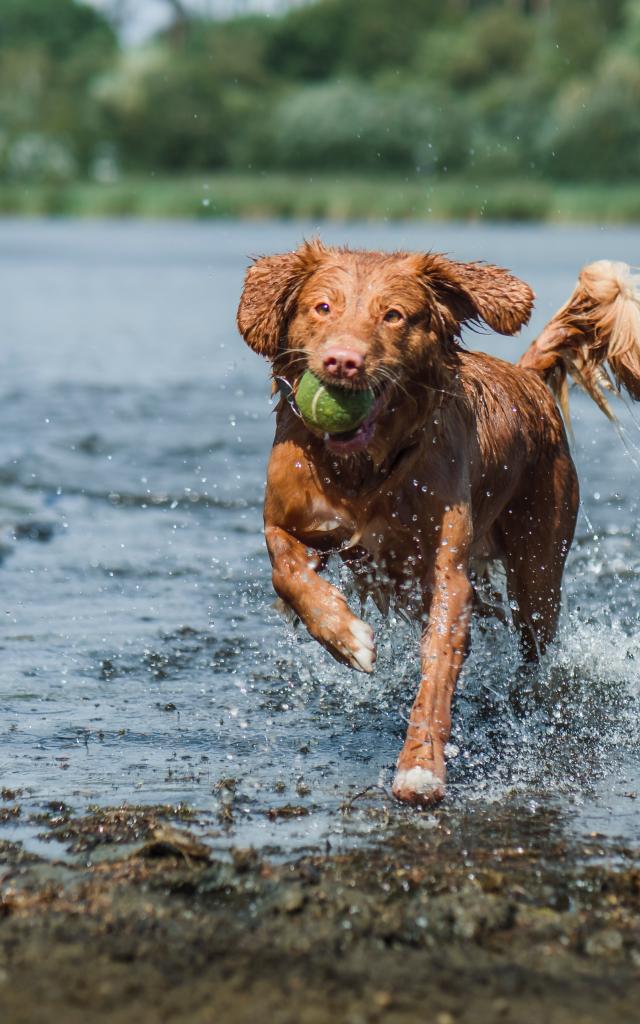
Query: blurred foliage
x=332 y=196
x=50 y=55
x=531 y=90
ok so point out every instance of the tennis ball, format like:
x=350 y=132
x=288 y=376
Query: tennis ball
x=332 y=410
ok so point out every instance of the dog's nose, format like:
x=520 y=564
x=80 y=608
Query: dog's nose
x=343 y=363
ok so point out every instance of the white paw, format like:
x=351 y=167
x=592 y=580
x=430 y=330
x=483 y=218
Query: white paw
x=362 y=653
x=417 y=780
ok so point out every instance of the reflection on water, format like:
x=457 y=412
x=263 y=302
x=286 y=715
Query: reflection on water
x=142 y=658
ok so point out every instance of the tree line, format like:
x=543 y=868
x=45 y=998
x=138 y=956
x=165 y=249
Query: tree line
x=542 y=89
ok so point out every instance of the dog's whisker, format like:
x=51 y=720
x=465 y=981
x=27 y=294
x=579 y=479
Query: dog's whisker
x=389 y=377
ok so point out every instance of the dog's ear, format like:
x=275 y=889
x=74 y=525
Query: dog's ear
x=268 y=298
x=479 y=291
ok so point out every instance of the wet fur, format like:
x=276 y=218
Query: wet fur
x=468 y=463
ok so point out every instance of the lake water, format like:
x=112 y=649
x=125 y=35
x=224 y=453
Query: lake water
x=142 y=660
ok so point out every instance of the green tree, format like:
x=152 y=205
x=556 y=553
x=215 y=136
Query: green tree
x=201 y=105
x=49 y=55
x=59 y=27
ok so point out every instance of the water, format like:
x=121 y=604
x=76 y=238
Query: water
x=142 y=658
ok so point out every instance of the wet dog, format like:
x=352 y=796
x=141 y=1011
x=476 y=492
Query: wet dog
x=463 y=460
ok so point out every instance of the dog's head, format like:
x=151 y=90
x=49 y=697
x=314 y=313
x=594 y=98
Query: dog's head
x=370 y=319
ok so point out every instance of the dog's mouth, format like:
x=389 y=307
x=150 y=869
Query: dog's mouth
x=359 y=439
x=347 y=442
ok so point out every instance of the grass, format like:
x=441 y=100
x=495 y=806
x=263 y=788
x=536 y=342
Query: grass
x=326 y=196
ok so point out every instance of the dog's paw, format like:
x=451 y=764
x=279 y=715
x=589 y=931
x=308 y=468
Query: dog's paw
x=343 y=634
x=362 y=649
x=418 y=786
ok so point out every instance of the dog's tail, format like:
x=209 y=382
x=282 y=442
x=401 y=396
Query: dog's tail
x=594 y=338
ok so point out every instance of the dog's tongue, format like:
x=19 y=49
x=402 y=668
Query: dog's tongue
x=355 y=442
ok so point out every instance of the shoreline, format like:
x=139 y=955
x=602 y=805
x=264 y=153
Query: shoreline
x=326 y=197
x=453 y=924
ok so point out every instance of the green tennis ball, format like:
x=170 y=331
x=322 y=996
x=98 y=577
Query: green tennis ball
x=330 y=409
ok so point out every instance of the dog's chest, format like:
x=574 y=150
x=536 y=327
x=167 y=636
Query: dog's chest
x=328 y=525
x=371 y=531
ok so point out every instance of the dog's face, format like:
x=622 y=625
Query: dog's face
x=362 y=320
x=370 y=319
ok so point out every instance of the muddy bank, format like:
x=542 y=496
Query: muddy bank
x=455 y=922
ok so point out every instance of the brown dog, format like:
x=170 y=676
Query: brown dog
x=463 y=461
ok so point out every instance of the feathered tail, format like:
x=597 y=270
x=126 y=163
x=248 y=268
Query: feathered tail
x=594 y=338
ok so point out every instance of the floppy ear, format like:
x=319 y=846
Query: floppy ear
x=479 y=291
x=271 y=287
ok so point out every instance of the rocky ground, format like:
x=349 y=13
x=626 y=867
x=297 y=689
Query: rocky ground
x=450 y=924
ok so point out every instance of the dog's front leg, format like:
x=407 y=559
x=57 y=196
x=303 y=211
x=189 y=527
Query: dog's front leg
x=322 y=608
x=420 y=771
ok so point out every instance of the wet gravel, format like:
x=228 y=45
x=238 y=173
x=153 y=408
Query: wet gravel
x=453 y=923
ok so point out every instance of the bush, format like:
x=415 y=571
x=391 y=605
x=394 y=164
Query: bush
x=593 y=130
x=36 y=157
x=347 y=124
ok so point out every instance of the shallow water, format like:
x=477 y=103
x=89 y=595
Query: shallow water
x=142 y=658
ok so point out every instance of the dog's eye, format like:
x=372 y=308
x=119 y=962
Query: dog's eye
x=322 y=308
x=393 y=316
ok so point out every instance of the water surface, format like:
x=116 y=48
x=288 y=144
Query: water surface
x=142 y=660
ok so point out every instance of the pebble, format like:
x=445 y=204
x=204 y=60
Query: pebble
x=293 y=900
x=500 y=1007
x=382 y=1000
x=607 y=941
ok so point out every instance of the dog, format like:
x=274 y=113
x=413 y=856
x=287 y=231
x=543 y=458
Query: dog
x=462 y=462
